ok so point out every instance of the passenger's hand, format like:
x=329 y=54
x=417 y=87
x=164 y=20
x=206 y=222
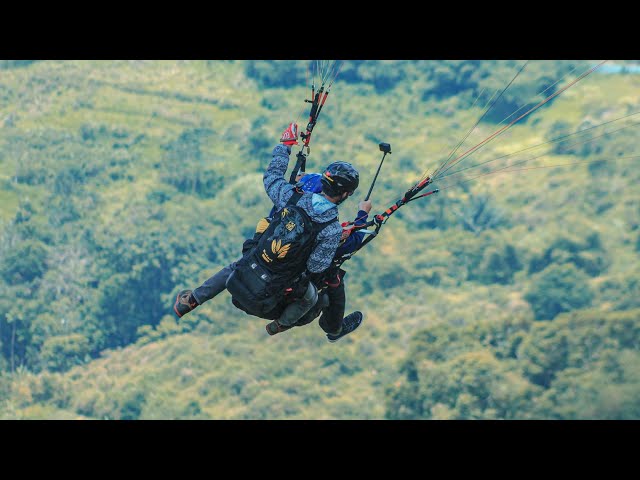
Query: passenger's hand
x=290 y=135
x=365 y=205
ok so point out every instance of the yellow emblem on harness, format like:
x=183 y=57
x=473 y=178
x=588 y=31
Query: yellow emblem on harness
x=263 y=224
x=290 y=226
x=279 y=249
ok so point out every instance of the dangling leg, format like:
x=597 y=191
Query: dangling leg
x=323 y=301
x=214 y=285
x=331 y=321
x=294 y=311
x=188 y=300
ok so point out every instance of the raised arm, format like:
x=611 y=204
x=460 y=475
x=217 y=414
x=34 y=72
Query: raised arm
x=354 y=240
x=277 y=188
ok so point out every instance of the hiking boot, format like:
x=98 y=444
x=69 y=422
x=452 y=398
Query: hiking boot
x=349 y=324
x=185 y=302
x=274 y=328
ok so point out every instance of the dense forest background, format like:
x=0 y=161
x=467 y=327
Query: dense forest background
x=510 y=296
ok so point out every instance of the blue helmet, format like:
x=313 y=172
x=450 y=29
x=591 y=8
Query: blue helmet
x=311 y=182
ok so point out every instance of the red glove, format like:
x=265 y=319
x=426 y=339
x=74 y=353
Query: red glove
x=290 y=135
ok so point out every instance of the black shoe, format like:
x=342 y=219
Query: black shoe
x=185 y=302
x=349 y=324
x=274 y=328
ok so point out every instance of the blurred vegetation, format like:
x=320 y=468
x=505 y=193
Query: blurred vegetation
x=583 y=365
x=511 y=296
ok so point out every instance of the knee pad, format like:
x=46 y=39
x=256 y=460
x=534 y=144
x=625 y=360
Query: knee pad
x=311 y=295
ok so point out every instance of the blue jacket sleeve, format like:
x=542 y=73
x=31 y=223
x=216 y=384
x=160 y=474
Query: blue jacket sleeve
x=277 y=188
x=353 y=241
x=325 y=250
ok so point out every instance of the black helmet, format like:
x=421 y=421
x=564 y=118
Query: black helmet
x=340 y=177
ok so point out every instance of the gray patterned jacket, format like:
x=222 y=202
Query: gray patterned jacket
x=317 y=207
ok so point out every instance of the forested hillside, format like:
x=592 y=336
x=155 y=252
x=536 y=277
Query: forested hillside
x=511 y=295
